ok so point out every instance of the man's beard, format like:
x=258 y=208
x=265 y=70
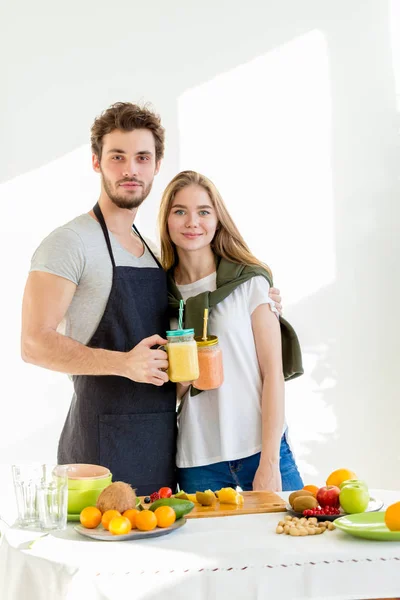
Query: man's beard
x=122 y=201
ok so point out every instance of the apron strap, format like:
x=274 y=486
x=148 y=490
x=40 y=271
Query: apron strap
x=99 y=215
x=144 y=242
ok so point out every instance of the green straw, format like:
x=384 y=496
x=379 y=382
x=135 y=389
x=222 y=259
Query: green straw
x=181 y=305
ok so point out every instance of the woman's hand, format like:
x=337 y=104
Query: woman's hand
x=267 y=477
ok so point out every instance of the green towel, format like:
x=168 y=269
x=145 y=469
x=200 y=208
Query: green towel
x=229 y=276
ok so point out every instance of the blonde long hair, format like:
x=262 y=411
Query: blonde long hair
x=227 y=242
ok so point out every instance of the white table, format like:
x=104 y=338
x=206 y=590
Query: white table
x=237 y=557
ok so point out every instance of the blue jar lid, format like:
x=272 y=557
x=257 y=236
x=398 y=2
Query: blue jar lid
x=178 y=332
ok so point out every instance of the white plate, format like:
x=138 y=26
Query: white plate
x=374 y=505
x=102 y=534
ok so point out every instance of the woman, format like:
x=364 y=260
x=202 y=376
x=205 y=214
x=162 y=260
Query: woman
x=234 y=435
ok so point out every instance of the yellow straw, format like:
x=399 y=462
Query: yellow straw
x=205 y=324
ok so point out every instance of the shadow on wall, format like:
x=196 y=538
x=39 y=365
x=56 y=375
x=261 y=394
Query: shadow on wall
x=354 y=319
x=347 y=323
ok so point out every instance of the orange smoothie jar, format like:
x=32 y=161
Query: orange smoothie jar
x=210 y=364
x=183 y=364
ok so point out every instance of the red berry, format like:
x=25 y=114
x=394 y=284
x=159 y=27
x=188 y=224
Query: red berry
x=154 y=496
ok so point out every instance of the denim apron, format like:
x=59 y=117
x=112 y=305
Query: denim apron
x=126 y=426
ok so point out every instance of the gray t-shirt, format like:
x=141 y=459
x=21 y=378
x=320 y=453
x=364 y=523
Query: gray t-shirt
x=77 y=251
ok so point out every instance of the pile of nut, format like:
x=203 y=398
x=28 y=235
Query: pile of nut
x=303 y=526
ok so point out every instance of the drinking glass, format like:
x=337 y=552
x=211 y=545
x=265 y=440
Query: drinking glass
x=52 y=497
x=26 y=478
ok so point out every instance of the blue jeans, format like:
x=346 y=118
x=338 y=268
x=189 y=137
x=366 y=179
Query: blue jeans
x=239 y=473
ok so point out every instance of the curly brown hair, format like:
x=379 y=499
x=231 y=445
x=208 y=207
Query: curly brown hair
x=127 y=117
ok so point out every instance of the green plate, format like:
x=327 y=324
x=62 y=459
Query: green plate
x=75 y=517
x=71 y=517
x=370 y=526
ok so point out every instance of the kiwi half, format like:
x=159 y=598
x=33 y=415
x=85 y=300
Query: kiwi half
x=295 y=495
x=304 y=503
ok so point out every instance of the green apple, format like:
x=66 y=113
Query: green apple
x=352 y=481
x=354 y=498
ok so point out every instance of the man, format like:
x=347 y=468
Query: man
x=95 y=306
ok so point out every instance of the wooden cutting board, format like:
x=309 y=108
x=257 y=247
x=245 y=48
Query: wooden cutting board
x=254 y=502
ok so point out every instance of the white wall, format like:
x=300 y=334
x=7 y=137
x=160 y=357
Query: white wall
x=291 y=108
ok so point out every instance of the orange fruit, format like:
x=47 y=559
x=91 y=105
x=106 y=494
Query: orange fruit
x=90 y=517
x=337 y=477
x=392 y=517
x=107 y=516
x=165 y=516
x=131 y=515
x=119 y=526
x=311 y=488
x=146 y=520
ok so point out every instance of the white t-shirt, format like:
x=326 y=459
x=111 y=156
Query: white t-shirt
x=225 y=424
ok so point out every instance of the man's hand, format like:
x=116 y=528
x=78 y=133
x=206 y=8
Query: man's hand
x=274 y=294
x=144 y=365
x=267 y=477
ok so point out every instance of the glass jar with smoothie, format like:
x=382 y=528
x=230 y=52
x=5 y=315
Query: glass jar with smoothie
x=210 y=363
x=183 y=364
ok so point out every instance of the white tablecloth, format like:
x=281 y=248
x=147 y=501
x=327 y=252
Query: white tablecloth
x=238 y=557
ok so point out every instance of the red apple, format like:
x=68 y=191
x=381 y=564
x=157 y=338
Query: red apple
x=328 y=496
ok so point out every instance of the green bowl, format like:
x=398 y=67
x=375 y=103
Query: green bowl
x=81 y=485
x=76 y=516
x=80 y=499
